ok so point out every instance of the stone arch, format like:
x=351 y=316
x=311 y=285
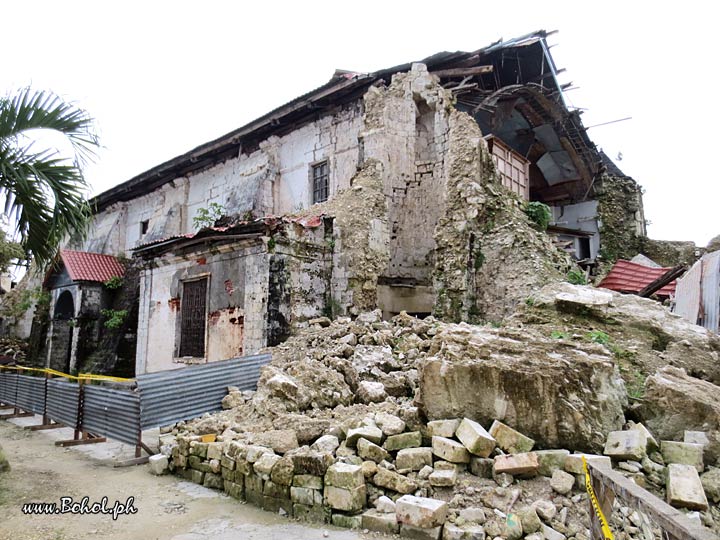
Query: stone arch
x=62 y=332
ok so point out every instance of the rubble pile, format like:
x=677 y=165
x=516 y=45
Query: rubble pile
x=448 y=478
x=431 y=429
x=13 y=350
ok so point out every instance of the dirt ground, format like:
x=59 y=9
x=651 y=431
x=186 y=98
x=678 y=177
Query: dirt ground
x=168 y=508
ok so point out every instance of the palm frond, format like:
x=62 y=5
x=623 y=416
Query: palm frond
x=36 y=109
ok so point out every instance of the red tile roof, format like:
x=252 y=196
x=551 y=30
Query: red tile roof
x=630 y=277
x=84 y=266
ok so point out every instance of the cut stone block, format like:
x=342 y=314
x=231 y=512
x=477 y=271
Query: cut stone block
x=348 y=500
x=550 y=461
x=277 y=491
x=345 y=476
x=466 y=532
x=227 y=462
x=684 y=488
x=303 y=495
x=441 y=478
x=574 y=464
x=450 y=450
x=158 y=464
x=510 y=440
x=443 y=428
x=696 y=437
x=317 y=513
x=385 y=504
x=213 y=481
x=277 y=506
x=413 y=459
x=516 y=464
x=394 y=481
x=652 y=444
x=562 y=482
x=346 y=522
x=264 y=465
x=418 y=533
x=371 y=433
x=371 y=451
x=630 y=444
x=326 y=443
x=420 y=511
x=308 y=481
x=311 y=462
x=683 y=453
x=412 y=439
x=374 y=520
x=474 y=437
x=481 y=467
x=389 y=424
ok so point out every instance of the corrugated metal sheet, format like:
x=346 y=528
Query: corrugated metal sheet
x=171 y=396
x=31 y=393
x=697 y=298
x=8 y=387
x=112 y=413
x=62 y=402
x=711 y=291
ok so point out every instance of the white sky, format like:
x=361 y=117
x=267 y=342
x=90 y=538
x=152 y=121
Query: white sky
x=163 y=77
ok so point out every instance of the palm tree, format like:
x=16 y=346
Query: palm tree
x=43 y=190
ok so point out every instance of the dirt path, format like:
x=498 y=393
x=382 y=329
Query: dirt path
x=168 y=508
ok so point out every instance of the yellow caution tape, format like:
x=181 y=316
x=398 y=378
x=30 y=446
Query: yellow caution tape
x=81 y=376
x=607 y=533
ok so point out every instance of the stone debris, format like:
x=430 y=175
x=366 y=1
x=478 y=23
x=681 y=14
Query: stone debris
x=684 y=488
x=158 y=463
x=322 y=453
x=420 y=512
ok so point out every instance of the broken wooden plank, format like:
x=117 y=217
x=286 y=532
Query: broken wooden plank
x=463 y=72
x=659 y=283
x=133 y=461
x=671 y=521
x=41 y=427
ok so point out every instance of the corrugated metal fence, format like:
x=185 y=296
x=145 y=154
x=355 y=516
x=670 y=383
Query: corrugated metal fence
x=167 y=397
x=159 y=399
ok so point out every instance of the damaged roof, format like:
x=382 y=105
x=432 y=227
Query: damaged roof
x=630 y=278
x=523 y=63
x=85 y=266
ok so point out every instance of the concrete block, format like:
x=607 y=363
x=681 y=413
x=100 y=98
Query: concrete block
x=550 y=461
x=510 y=440
x=413 y=459
x=474 y=437
x=516 y=464
x=683 y=487
x=374 y=520
x=683 y=453
x=630 y=444
x=450 y=450
x=420 y=511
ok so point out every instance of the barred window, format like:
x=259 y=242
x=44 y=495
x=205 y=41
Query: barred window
x=193 y=313
x=320 y=184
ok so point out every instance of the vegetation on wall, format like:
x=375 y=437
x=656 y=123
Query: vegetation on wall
x=114 y=283
x=206 y=217
x=539 y=213
x=114 y=318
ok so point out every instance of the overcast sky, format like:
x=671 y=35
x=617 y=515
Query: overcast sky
x=163 y=77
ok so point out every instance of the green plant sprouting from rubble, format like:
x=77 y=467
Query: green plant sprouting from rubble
x=539 y=214
x=206 y=217
x=598 y=336
x=576 y=277
x=113 y=283
x=115 y=317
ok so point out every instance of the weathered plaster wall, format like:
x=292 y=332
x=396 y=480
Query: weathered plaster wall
x=273 y=179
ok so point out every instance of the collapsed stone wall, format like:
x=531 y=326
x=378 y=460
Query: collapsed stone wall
x=670 y=253
x=622 y=220
x=489 y=257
